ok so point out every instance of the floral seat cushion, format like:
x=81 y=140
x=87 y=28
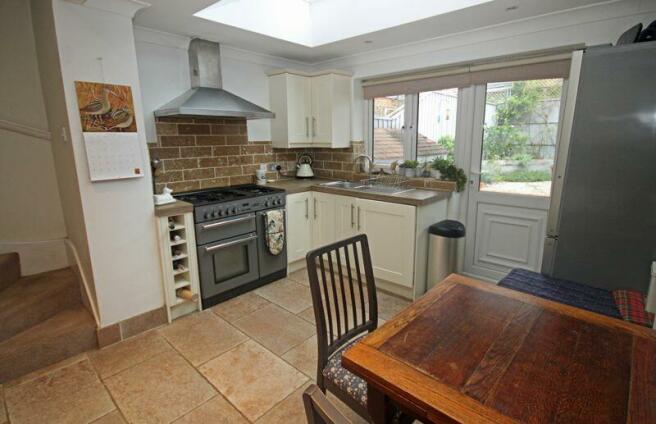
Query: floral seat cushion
x=343 y=378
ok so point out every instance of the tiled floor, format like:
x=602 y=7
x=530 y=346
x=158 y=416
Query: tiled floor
x=247 y=360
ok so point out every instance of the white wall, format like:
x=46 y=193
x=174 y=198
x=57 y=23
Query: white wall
x=98 y=45
x=594 y=25
x=30 y=205
x=164 y=73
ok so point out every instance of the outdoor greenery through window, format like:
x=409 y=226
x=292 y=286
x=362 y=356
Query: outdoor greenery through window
x=519 y=137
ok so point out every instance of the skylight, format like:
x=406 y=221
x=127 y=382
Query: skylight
x=314 y=23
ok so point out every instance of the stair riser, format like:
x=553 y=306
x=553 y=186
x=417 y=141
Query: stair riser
x=9 y=269
x=26 y=359
x=15 y=320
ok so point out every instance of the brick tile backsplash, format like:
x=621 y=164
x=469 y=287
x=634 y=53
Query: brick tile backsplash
x=215 y=152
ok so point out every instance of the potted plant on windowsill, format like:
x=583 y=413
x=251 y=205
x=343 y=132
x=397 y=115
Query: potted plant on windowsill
x=410 y=168
x=438 y=167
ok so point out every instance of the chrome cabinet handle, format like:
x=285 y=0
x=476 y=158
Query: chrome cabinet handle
x=315 y=208
x=307 y=209
x=359 y=226
x=352 y=215
x=230 y=243
x=224 y=223
x=307 y=126
x=314 y=126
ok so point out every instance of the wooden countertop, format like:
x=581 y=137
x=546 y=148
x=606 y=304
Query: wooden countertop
x=176 y=208
x=412 y=197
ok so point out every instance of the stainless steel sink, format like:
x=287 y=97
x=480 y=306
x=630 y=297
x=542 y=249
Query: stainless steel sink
x=358 y=186
x=344 y=184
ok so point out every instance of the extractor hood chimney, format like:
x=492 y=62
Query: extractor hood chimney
x=207 y=97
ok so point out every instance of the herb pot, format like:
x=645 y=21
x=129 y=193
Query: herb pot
x=410 y=172
x=435 y=173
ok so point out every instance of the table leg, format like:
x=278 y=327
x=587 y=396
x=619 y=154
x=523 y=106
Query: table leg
x=379 y=406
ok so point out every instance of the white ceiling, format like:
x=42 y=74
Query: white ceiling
x=318 y=22
x=177 y=17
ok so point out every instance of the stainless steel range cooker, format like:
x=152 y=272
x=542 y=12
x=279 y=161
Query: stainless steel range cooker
x=230 y=235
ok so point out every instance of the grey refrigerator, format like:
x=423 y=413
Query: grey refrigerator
x=601 y=229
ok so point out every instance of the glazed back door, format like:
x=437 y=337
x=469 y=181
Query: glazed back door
x=515 y=131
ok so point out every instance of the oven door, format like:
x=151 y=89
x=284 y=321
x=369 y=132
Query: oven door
x=227 y=264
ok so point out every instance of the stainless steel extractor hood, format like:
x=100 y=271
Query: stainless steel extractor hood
x=207 y=97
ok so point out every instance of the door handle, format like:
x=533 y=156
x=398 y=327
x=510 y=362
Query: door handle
x=352 y=215
x=359 y=226
x=307 y=126
x=224 y=223
x=230 y=243
x=307 y=209
x=314 y=126
x=315 y=209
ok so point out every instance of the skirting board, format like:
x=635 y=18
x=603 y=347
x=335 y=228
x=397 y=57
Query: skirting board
x=37 y=257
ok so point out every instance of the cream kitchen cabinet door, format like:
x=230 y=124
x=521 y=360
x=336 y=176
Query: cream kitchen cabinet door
x=299 y=225
x=345 y=211
x=323 y=216
x=390 y=229
x=312 y=110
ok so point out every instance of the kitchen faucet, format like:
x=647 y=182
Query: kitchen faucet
x=364 y=168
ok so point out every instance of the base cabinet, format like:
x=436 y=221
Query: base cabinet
x=390 y=229
x=299 y=226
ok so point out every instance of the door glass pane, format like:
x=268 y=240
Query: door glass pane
x=436 y=124
x=388 y=131
x=519 y=137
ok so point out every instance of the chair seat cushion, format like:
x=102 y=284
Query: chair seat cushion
x=348 y=382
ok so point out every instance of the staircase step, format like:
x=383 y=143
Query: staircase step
x=9 y=269
x=35 y=298
x=64 y=335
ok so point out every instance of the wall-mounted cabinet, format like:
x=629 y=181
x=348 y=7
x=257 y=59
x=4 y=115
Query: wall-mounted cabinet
x=312 y=110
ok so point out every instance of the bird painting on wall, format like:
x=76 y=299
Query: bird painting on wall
x=105 y=107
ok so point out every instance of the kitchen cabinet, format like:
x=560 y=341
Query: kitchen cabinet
x=299 y=226
x=323 y=217
x=390 y=228
x=346 y=212
x=312 y=110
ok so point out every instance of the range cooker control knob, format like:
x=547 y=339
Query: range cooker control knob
x=266 y=204
x=215 y=214
x=234 y=211
x=208 y=215
x=221 y=213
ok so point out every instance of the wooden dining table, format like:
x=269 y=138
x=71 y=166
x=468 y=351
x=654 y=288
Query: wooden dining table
x=472 y=352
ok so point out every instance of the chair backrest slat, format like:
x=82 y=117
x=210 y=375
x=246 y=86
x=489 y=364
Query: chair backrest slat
x=326 y=299
x=332 y=308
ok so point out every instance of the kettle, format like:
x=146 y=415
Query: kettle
x=303 y=166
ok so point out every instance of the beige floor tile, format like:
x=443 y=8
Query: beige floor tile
x=47 y=370
x=202 y=336
x=300 y=276
x=289 y=411
x=73 y=394
x=238 y=307
x=111 y=418
x=160 y=389
x=304 y=357
x=287 y=293
x=123 y=355
x=3 y=410
x=216 y=411
x=389 y=305
x=275 y=328
x=307 y=315
x=252 y=378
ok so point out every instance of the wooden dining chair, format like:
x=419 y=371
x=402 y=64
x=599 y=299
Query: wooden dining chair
x=345 y=309
x=318 y=408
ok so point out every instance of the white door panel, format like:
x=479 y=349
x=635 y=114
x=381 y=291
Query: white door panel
x=507 y=237
x=299 y=226
x=323 y=215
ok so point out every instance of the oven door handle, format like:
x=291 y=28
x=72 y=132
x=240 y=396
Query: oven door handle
x=224 y=223
x=230 y=243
